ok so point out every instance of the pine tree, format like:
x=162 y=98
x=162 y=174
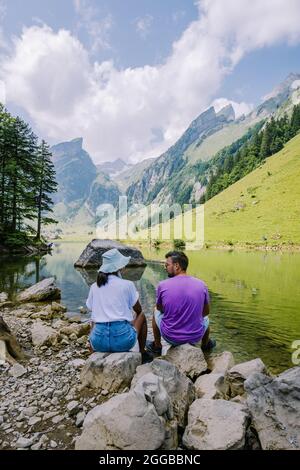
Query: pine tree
x=22 y=174
x=266 y=142
x=46 y=185
x=295 y=120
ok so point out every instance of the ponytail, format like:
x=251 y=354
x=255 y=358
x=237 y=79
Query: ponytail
x=102 y=278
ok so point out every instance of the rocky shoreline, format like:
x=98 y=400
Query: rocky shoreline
x=62 y=397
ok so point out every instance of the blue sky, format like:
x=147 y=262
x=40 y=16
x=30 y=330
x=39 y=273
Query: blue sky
x=129 y=76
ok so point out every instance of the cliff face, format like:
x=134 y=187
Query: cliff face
x=155 y=181
x=75 y=171
x=81 y=186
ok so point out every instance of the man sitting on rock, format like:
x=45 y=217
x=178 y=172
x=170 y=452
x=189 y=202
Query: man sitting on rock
x=182 y=307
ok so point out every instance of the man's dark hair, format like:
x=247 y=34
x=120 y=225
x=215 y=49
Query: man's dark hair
x=180 y=258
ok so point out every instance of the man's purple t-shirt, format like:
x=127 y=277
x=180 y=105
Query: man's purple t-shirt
x=182 y=299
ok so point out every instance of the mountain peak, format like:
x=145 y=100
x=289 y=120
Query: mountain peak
x=71 y=147
x=284 y=87
x=227 y=112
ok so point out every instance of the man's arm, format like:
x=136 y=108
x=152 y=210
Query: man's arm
x=205 y=310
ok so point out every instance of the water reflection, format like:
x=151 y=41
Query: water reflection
x=255 y=297
x=132 y=274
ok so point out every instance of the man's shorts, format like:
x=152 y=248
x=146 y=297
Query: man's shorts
x=158 y=318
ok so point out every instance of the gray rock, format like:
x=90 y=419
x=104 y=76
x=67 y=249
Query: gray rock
x=215 y=425
x=112 y=372
x=152 y=387
x=36 y=446
x=24 y=443
x=211 y=386
x=274 y=404
x=43 y=290
x=80 y=419
x=240 y=372
x=73 y=407
x=43 y=335
x=17 y=370
x=34 y=420
x=92 y=254
x=189 y=360
x=179 y=387
x=77 y=363
x=57 y=419
x=220 y=363
x=58 y=308
x=30 y=411
x=125 y=422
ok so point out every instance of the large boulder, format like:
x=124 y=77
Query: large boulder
x=212 y=386
x=239 y=373
x=91 y=257
x=220 y=363
x=125 y=422
x=179 y=387
x=189 y=360
x=215 y=425
x=112 y=372
x=274 y=404
x=153 y=388
x=43 y=290
x=43 y=335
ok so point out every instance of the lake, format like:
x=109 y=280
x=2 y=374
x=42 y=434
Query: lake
x=255 y=296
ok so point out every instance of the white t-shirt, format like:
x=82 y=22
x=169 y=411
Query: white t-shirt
x=113 y=301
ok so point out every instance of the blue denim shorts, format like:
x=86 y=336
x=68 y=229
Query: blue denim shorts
x=158 y=318
x=117 y=336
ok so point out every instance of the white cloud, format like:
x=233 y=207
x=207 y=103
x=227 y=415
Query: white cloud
x=240 y=109
x=98 y=29
x=118 y=112
x=143 y=25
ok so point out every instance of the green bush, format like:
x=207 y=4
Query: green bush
x=179 y=244
x=156 y=243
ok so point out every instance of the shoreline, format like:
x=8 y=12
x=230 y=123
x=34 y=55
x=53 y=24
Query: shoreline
x=240 y=246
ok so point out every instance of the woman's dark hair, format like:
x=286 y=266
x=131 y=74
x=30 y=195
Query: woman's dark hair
x=102 y=278
x=180 y=258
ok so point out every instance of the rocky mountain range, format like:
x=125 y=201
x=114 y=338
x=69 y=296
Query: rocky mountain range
x=172 y=177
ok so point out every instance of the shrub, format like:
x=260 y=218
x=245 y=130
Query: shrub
x=179 y=244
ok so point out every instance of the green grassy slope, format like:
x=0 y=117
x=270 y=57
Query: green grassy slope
x=263 y=204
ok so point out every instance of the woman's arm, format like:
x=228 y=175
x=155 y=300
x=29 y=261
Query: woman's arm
x=89 y=301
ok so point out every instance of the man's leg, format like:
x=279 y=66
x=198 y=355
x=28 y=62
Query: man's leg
x=140 y=324
x=205 y=339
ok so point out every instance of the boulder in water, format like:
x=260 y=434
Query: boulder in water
x=91 y=257
x=43 y=290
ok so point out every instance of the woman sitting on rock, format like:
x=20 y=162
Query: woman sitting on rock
x=112 y=301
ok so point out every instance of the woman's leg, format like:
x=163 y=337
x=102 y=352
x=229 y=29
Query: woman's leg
x=140 y=324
